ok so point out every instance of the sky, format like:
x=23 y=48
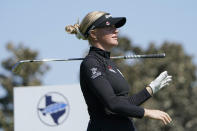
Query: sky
x=39 y=25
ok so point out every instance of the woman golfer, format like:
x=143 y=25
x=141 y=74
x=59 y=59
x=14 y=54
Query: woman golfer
x=104 y=88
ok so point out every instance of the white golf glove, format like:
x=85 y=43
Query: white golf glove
x=162 y=80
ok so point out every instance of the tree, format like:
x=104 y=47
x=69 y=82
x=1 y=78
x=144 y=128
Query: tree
x=30 y=75
x=178 y=99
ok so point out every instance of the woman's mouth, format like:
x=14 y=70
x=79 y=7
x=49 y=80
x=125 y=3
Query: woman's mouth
x=115 y=37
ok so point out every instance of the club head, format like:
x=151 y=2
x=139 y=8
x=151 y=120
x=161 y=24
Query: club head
x=17 y=67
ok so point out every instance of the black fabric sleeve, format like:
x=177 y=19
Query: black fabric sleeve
x=139 y=98
x=95 y=77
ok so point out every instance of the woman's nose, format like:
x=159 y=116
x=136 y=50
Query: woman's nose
x=116 y=30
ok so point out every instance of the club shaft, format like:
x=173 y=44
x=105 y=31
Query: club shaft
x=114 y=57
x=17 y=66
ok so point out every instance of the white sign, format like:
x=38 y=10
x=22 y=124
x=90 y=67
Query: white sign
x=50 y=108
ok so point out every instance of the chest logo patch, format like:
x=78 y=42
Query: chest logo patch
x=110 y=69
x=95 y=73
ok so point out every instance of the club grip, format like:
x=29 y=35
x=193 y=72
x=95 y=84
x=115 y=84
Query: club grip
x=146 y=56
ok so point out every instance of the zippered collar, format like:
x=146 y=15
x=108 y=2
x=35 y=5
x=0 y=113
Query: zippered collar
x=103 y=53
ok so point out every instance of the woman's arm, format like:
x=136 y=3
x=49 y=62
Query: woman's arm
x=140 y=97
x=161 y=81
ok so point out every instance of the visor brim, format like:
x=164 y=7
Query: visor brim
x=117 y=21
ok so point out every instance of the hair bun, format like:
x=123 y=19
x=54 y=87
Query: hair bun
x=75 y=30
x=71 y=29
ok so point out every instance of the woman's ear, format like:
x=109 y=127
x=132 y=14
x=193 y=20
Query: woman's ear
x=93 y=34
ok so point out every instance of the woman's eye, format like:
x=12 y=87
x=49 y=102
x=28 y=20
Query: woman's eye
x=110 y=28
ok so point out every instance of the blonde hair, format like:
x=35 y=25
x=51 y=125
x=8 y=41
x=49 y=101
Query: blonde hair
x=88 y=20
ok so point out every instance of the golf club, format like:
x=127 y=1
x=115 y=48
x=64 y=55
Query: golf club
x=17 y=67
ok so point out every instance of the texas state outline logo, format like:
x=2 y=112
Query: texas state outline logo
x=53 y=109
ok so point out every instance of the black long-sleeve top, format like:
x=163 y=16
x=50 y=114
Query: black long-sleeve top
x=104 y=88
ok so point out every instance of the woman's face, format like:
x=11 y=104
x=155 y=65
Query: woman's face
x=107 y=36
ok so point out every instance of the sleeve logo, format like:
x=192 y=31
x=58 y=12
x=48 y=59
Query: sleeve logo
x=95 y=73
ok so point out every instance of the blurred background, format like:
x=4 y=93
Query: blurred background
x=36 y=29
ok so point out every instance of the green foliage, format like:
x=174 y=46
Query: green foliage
x=178 y=99
x=30 y=75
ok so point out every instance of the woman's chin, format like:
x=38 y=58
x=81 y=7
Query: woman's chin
x=112 y=43
x=115 y=43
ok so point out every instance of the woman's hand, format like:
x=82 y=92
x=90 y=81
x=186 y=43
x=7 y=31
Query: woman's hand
x=157 y=114
x=161 y=81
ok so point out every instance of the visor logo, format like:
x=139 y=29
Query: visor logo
x=107 y=16
x=107 y=23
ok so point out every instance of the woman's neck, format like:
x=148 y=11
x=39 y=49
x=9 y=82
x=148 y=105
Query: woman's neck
x=98 y=45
